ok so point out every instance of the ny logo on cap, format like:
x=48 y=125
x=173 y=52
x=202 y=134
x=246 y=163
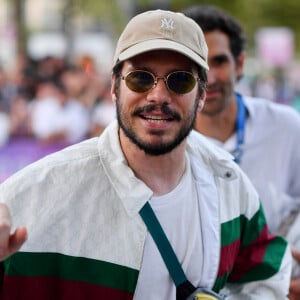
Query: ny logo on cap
x=167 y=23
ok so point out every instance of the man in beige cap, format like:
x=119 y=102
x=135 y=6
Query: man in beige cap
x=148 y=210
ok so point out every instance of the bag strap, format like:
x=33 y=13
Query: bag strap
x=184 y=287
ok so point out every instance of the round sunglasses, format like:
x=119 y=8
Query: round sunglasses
x=178 y=82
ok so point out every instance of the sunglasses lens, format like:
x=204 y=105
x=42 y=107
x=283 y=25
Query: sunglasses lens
x=181 y=82
x=139 y=81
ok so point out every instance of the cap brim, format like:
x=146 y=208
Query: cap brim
x=160 y=44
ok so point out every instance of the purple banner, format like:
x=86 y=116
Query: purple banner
x=20 y=152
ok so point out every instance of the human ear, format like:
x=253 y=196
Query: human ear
x=113 y=91
x=240 y=65
x=201 y=101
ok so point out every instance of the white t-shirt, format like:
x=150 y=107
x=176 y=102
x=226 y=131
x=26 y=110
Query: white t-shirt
x=178 y=214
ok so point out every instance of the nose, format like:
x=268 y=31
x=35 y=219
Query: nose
x=160 y=92
x=157 y=79
x=211 y=76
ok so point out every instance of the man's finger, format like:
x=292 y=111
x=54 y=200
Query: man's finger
x=17 y=239
x=295 y=286
x=296 y=254
x=9 y=243
x=5 y=226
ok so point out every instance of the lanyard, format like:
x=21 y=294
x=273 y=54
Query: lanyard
x=240 y=128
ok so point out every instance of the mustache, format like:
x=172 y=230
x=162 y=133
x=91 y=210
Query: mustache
x=165 y=109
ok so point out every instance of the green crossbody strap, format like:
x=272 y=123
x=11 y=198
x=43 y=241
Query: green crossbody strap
x=163 y=244
x=184 y=288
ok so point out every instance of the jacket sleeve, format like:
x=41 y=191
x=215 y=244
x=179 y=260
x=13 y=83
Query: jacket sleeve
x=293 y=236
x=273 y=288
x=262 y=266
x=254 y=264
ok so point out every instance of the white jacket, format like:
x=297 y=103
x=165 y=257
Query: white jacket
x=83 y=203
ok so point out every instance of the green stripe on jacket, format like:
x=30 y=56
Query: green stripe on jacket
x=72 y=268
x=248 y=251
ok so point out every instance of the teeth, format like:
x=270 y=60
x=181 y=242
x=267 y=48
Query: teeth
x=155 y=119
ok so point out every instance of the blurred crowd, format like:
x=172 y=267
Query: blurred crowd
x=53 y=100
x=275 y=84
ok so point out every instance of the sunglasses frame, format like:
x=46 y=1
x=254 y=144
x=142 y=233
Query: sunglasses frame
x=156 y=78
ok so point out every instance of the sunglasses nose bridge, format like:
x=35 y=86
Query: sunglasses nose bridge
x=156 y=78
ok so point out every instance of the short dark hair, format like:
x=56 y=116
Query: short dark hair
x=211 y=18
x=116 y=72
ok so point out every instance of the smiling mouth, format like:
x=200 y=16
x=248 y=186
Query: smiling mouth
x=157 y=114
x=212 y=93
x=157 y=119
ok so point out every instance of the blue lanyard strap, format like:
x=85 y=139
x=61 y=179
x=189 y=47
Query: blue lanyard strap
x=240 y=128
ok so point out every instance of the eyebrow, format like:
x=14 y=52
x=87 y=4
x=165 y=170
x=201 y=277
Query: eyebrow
x=220 y=58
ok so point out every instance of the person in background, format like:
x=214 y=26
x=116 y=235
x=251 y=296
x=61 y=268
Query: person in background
x=262 y=136
x=55 y=117
x=20 y=117
x=5 y=123
x=87 y=209
x=103 y=112
x=4 y=128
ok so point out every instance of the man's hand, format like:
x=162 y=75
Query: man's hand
x=294 y=293
x=9 y=243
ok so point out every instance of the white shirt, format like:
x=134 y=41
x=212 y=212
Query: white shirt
x=179 y=208
x=271 y=157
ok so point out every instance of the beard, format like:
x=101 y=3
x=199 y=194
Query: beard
x=217 y=105
x=155 y=149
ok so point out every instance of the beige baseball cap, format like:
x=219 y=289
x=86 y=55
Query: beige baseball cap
x=160 y=29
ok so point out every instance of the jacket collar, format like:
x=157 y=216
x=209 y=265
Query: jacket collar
x=219 y=161
x=132 y=191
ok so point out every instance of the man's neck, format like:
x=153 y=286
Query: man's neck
x=219 y=126
x=160 y=173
